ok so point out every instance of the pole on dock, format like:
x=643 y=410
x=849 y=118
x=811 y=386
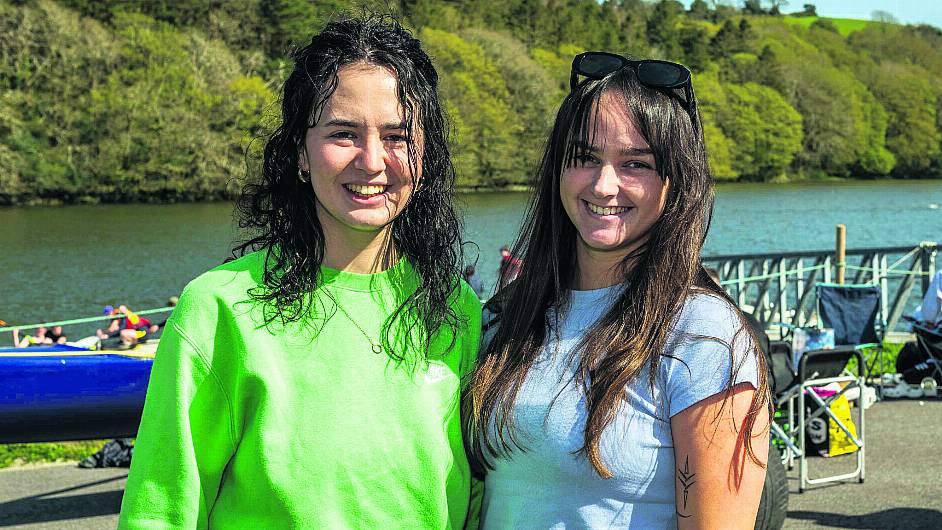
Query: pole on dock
x=841 y=238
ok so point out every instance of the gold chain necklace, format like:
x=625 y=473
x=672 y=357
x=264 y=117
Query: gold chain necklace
x=376 y=346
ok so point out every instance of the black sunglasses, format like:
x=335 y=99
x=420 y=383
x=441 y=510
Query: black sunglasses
x=661 y=75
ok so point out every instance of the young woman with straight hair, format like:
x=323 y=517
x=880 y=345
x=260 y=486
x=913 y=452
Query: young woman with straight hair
x=314 y=381
x=618 y=386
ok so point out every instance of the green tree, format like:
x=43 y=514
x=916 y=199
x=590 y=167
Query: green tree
x=557 y=65
x=912 y=132
x=49 y=59
x=753 y=7
x=534 y=94
x=712 y=100
x=531 y=22
x=730 y=39
x=486 y=127
x=695 y=43
x=764 y=129
x=699 y=10
x=157 y=100
x=166 y=139
x=662 y=28
x=809 y=11
x=843 y=130
x=824 y=24
x=633 y=23
x=292 y=22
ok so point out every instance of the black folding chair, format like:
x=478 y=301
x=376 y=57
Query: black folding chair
x=782 y=380
x=853 y=312
x=817 y=368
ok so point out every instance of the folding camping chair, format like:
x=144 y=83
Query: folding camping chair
x=782 y=379
x=818 y=368
x=853 y=312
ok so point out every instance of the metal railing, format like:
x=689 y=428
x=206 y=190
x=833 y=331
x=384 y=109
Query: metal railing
x=779 y=287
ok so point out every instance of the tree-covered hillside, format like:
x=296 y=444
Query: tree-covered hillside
x=161 y=100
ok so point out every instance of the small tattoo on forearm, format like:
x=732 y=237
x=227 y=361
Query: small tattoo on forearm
x=685 y=477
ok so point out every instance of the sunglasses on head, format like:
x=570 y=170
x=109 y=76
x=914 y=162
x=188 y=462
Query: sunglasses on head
x=662 y=75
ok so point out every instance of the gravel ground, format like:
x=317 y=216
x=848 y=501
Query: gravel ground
x=903 y=487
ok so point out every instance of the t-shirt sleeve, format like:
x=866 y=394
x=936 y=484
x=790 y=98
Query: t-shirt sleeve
x=186 y=435
x=708 y=347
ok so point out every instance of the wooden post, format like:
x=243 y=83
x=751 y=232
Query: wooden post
x=840 y=254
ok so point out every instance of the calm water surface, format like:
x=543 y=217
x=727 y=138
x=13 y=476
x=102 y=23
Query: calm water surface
x=67 y=262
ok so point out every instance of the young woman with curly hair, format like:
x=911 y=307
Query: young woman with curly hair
x=314 y=381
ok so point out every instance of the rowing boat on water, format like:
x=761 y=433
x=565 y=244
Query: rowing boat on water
x=66 y=393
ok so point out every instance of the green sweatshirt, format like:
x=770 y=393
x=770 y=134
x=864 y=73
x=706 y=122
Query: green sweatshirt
x=301 y=425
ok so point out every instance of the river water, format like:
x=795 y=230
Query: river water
x=67 y=262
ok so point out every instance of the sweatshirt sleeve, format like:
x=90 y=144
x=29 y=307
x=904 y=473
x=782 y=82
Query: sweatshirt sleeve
x=186 y=437
x=471 y=307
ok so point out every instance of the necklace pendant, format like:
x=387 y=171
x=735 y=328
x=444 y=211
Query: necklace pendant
x=377 y=348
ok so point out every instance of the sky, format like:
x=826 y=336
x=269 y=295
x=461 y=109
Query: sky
x=906 y=11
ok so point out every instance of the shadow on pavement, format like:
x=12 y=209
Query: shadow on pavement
x=892 y=518
x=44 y=508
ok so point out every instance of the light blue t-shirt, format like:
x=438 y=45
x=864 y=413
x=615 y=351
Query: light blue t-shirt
x=551 y=486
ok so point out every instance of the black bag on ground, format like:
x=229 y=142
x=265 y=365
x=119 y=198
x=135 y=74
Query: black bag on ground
x=816 y=432
x=116 y=453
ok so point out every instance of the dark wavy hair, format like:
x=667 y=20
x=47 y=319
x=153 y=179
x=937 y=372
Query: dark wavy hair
x=658 y=277
x=279 y=209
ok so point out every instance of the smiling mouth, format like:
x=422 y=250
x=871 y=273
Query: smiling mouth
x=361 y=190
x=606 y=210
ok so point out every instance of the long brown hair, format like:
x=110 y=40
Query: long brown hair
x=658 y=278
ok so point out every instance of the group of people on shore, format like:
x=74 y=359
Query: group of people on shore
x=339 y=374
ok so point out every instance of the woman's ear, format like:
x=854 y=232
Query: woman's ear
x=303 y=164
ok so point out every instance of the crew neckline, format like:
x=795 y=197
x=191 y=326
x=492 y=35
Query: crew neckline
x=394 y=277
x=591 y=297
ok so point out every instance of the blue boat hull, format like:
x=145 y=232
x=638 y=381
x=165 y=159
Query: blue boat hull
x=70 y=396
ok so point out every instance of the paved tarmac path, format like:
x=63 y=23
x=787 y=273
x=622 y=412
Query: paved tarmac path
x=903 y=488
x=60 y=496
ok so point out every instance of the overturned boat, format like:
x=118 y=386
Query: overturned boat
x=62 y=392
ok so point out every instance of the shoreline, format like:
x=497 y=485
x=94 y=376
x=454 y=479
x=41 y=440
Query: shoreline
x=9 y=202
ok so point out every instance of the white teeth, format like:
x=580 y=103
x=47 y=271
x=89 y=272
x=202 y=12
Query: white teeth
x=365 y=190
x=612 y=210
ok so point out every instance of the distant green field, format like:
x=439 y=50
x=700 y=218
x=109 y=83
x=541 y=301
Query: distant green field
x=845 y=26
